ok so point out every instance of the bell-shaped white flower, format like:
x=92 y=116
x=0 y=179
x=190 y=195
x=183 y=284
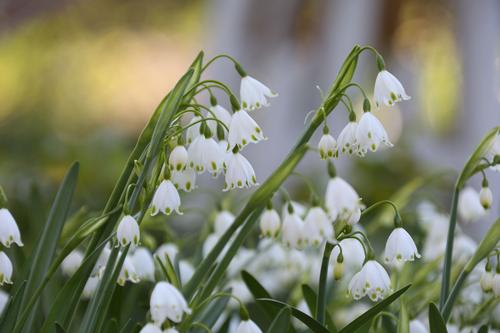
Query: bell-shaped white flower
x=184 y=180
x=243 y=130
x=486 y=197
x=239 y=173
x=353 y=254
x=469 y=205
x=298 y=209
x=221 y=114
x=9 y=232
x=317 y=226
x=167 y=302
x=193 y=131
x=143 y=263
x=72 y=262
x=90 y=287
x=372 y=281
x=223 y=221
x=347 y=142
x=254 y=94
x=270 y=223
x=227 y=153
x=487 y=279
x=370 y=133
x=178 y=158
x=150 y=328
x=5 y=269
x=165 y=251
x=209 y=244
x=292 y=231
x=342 y=201
x=388 y=90
x=166 y=199
x=327 y=146
x=205 y=155
x=186 y=271
x=128 y=231
x=416 y=326
x=248 y=326
x=400 y=247
x=127 y=272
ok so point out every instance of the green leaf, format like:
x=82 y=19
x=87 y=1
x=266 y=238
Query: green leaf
x=483 y=329
x=169 y=271
x=310 y=298
x=281 y=323
x=11 y=310
x=368 y=315
x=436 y=322
x=321 y=298
x=310 y=322
x=210 y=316
x=59 y=328
x=404 y=320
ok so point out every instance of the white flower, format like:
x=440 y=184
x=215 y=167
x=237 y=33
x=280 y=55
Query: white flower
x=486 y=281
x=220 y=113
x=342 y=201
x=240 y=173
x=178 y=158
x=248 y=326
x=143 y=263
x=9 y=232
x=72 y=262
x=227 y=154
x=372 y=281
x=186 y=271
x=353 y=254
x=317 y=226
x=128 y=231
x=270 y=223
x=464 y=248
x=165 y=251
x=150 y=328
x=485 y=197
x=5 y=269
x=347 y=142
x=184 y=180
x=388 y=90
x=223 y=221
x=90 y=287
x=243 y=130
x=127 y=272
x=4 y=299
x=253 y=93
x=327 y=147
x=166 y=199
x=167 y=302
x=205 y=155
x=292 y=231
x=193 y=131
x=496 y=284
x=416 y=326
x=209 y=244
x=469 y=205
x=298 y=209
x=370 y=133
x=400 y=247
x=102 y=261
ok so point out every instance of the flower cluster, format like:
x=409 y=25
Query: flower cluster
x=9 y=234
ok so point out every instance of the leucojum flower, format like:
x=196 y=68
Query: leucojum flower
x=342 y=201
x=167 y=302
x=128 y=231
x=327 y=145
x=292 y=231
x=388 y=90
x=243 y=130
x=370 y=133
x=240 y=173
x=400 y=247
x=270 y=222
x=9 y=231
x=347 y=142
x=178 y=158
x=372 y=281
x=253 y=93
x=248 y=326
x=5 y=269
x=166 y=199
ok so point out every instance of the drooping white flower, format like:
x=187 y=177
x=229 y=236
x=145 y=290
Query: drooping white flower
x=353 y=254
x=400 y=247
x=143 y=263
x=370 y=133
x=5 y=269
x=128 y=231
x=243 y=130
x=469 y=205
x=90 y=287
x=486 y=280
x=167 y=302
x=223 y=221
x=347 y=142
x=327 y=147
x=298 y=209
x=193 y=131
x=372 y=281
x=127 y=272
x=4 y=299
x=292 y=231
x=178 y=158
x=270 y=223
x=221 y=114
x=248 y=326
x=486 y=197
x=254 y=94
x=227 y=154
x=464 y=248
x=240 y=290
x=317 y=226
x=239 y=173
x=166 y=199
x=184 y=180
x=205 y=155
x=342 y=201
x=416 y=326
x=186 y=271
x=150 y=328
x=165 y=251
x=9 y=232
x=72 y=262
x=388 y=90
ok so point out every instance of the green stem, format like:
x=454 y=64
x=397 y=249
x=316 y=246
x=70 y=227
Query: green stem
x=321 y=299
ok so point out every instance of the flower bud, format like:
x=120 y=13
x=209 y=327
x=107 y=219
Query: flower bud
x=338 y=270
x=487 y=277
x=128 y=231
x=72 y=262
x=486 y=197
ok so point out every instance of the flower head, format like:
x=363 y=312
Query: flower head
x=270 y=223
x=370 y=134
x=127 y=272
x=243 y=130
x=90 y=287
x=292 y=231
x=254 y=94
x=223 y=221
x=205 y=155
x=72 y=262
x=9 y=232
x=248 y=326
x=372 y=281
x=5 y=269
x=184 y=180
x=178 y=158
x=469 y=205
x=317 y=226
x=486 y=197
x=347 y=142
x=327 y=146
x=342 y=201
x=240 y=173
x=353 y=254
x=486 y=280
x=167 y=252
x=166 y=199
x=167 y=302
x=128 y=231
x=388 y=90
x=400 y=247
x=143 y=263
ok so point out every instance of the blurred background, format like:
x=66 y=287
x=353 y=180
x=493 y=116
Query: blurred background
x=79 y=79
